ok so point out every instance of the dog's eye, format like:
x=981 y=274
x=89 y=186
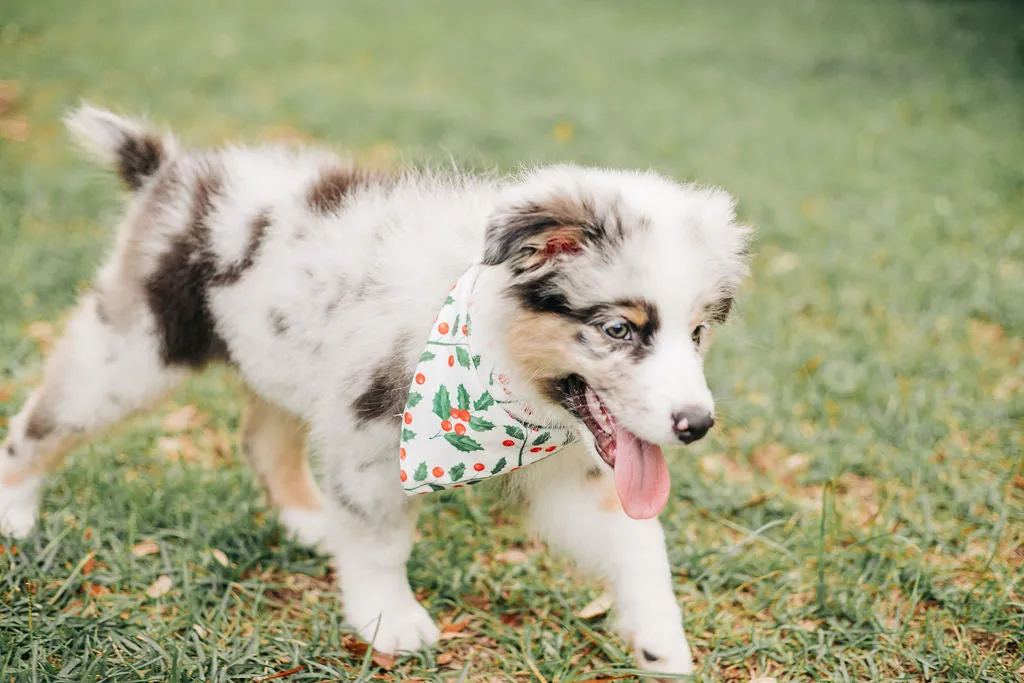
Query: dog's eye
x=698 y=334
x=618 y=330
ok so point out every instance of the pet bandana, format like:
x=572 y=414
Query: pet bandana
x=461 y=424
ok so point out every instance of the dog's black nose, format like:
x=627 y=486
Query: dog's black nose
x=691 y=424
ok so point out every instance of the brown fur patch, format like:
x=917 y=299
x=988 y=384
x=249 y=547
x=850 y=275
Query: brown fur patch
x=541 y=347
x=388 y=390
x=40 y=425
x=257 y=232
x=335 y=183
x=138 y=159
x=524 y=233
x=274 y=444
x=177 y=289
x=718 y=311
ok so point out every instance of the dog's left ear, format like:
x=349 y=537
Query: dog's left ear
x=531 y=233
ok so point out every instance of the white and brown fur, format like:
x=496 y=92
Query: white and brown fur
x=318 y=281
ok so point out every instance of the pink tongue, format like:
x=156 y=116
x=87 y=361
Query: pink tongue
x=641 y=477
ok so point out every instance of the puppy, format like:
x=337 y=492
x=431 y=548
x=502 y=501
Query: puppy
x=593 y=294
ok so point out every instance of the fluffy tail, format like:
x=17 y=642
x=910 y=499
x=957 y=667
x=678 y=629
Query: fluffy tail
x=126 y=145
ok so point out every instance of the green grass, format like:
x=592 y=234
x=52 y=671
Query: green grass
x=859 y=515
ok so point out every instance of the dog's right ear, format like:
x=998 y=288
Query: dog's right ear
x=529 y=234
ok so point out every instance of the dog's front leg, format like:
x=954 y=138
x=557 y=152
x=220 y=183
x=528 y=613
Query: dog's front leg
x=370 y=523
x=573 y=505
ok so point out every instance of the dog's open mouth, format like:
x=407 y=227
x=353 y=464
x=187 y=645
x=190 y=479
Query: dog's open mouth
x=641 y=476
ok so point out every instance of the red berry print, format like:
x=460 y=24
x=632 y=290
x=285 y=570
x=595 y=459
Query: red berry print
x=401 y=454
x=536 y=449
x=465 y=330
x=460 y=429
x=464 y=415
x=451 y=361
x=479 y=467
x=403 y=476
x=408 y=418
x=443 y=328
x=549 y=449
x=446 y=425
x=420 y=379
x=508 y=443
x=454 y=412
x=438 y=472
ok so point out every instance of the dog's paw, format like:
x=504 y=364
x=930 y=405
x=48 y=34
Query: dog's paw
x=19 y=509
x=396 y=628
x=308 y=527
x=664 y=657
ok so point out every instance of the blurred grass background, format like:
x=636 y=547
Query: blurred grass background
x=857 y=517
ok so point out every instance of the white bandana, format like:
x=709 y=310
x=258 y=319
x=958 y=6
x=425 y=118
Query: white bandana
x=461 y=423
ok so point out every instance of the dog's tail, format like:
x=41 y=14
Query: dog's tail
x=128 y=146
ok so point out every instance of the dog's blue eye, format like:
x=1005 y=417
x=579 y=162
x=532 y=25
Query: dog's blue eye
x=698 y=334
x=618 y=330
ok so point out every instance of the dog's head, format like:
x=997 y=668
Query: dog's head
x=615 y=281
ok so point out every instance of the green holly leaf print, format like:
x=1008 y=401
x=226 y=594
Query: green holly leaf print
x=442 y=403
x=455 y=327
x=479 y=424
x=515 y=432
x=476 y=361
x=427 y=355
x=543 y=438
x=436 y=487
x=456 y=471
x=414 y=399
x=408 y=435
x=463 y=356
x=469 y=327
x=421 y=472
x=463 y=443
x=449 y=300
x=463 y=397
x=484 y=402
x=498 y=466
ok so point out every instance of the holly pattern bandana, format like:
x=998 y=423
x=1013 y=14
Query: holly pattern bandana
x=461 y=423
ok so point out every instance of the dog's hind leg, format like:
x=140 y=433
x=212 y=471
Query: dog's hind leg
x=274 y=444
x=99 y=372
x=573 y=505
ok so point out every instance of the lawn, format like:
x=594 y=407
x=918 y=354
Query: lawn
x=859 y=514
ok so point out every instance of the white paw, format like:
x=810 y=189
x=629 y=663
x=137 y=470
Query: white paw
x=308 y=527
x=663 y=652
x=404 y=627
x=19 y=508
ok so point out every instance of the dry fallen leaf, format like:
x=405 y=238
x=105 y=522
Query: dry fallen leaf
x=513 y=556
x=145 y=548
x=160 y=586
x=89 y=564
x=762 y=679
x=94 y=590
x=200 y=631
x=221 y=558
x=386 y=662
x=455 y=626
x=445 y=658
x=597 y=606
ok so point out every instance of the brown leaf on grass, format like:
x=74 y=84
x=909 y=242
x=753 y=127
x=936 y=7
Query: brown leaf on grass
x=445 y=658
x=596 y=607
x=455 y=626
x=10 y=92
x=199 y=630
x=182 y=419
x=481 y=602
x=178 y=448
x=94 y=590
x=14 y=129
x=512 y=556
x=160 y=586
x=762 y=679
x=145 y=548
x=386 y=662
x=89 y=565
